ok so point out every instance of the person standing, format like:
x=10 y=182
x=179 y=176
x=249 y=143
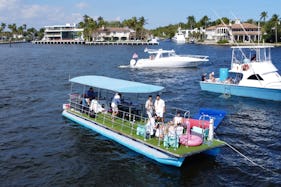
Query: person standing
x=114 y=105
x=149 y=106
x=160 y=108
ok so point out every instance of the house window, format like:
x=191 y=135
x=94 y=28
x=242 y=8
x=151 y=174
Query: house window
x=255 y=77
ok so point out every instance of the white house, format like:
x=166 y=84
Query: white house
x=63 y=32
x=113 y=34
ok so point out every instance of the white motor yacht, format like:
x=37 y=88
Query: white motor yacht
x=166 y=58
x=179 y=37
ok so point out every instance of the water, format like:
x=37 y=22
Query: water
x=40 y=147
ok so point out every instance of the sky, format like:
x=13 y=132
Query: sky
x=40 y=13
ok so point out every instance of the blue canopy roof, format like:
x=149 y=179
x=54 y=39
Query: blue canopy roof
x=116 y=85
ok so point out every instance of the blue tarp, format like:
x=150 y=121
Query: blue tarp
x=116 y=85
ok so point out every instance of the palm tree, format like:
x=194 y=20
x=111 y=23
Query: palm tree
x=3 y=26
x=204 y=21
x=89 y=25
x=13 y=28
x=263 y=16
x=191 y=21
x=101 y=22
x=141 y=22
x=20 y=30
x=275 y=19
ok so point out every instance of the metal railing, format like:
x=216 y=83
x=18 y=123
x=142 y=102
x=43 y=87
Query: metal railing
x=130 y=123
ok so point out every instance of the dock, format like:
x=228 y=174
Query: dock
x=133 y=42
x=57 y=42
x=122 y=43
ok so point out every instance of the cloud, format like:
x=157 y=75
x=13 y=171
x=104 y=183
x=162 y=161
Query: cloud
x=35 y=14
x=118 y=18
x=81 y=5
x=33 y=11
x=8 y=4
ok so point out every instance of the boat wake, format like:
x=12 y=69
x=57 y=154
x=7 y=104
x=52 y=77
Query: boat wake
x=124 y=66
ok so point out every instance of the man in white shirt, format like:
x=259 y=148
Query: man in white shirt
x=149 y=106
x=159 y=106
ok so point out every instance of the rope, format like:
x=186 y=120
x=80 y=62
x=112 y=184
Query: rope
x=250 y=159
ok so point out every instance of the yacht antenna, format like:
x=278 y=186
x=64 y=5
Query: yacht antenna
x=235 y=42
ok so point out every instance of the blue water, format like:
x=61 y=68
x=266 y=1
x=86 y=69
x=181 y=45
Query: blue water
x=40 y=147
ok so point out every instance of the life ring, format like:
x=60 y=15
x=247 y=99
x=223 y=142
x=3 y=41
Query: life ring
x=245 y=67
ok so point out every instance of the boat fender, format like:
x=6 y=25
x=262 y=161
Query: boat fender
x=211 y=130
x=245 y=67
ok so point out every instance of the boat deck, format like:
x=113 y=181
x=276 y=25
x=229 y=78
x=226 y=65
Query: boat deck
x=128 y=129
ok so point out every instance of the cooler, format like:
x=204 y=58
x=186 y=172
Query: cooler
x=223 y=74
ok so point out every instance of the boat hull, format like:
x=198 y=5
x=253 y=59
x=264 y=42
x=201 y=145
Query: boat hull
x=130 y=143
x=180 y=62
x=244 y=91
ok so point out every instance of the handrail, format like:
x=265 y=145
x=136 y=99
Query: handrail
x=123 y=122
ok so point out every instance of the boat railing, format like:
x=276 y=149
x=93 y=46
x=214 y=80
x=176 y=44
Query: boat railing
x=205 y=120
x=127 y=122
x=124 y=117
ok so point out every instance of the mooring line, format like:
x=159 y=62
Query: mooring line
x=254 y=163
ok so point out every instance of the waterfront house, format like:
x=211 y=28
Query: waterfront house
x=245 y=32
x=241 y=32
x=69 y=32
x=113 y=34
x=218 y=33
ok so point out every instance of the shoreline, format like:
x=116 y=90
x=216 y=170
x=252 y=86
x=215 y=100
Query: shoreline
x=12 y=42
x=138 y=43
x=238 y=44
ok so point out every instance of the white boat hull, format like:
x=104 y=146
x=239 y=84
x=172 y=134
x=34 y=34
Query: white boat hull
x=173 y=62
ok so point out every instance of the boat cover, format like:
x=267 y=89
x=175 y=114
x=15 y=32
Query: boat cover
x=116 y=85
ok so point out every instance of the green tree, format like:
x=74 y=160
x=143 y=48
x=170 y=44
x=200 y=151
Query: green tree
x=191 y=22
x=250 y=21
x=89 y=26
x=204 y=21
x=263 y=16
x=138 y=25
x=272 y=29
x=101 y=22
x=2 y=27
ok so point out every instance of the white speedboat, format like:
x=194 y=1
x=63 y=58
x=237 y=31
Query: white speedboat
x=166 y=58
x=131 y=129
x=254 y=75
x=179 y=37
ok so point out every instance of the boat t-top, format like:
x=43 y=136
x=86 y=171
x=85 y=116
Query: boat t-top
x=165 y=142
x=166 y=58
x=252 y=74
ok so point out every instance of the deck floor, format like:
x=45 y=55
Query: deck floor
x=129 y=129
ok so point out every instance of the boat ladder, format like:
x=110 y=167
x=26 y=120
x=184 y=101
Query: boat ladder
x=227 y=91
